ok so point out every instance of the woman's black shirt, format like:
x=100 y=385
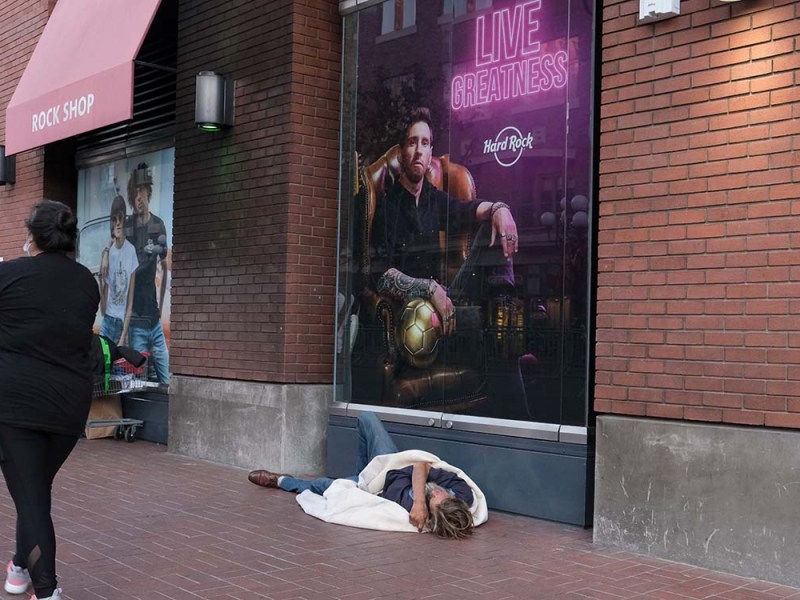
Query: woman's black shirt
x=48 y=305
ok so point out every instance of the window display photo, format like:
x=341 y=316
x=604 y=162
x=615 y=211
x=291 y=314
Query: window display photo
x=125 y=215
x=470 y=216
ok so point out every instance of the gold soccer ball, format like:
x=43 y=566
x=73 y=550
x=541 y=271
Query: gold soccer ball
x=418 y=333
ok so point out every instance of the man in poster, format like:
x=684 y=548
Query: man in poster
x=148 y=235
x=405 y=232
x=406 y=255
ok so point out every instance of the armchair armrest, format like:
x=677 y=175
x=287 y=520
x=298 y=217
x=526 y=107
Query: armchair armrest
x=380 y=309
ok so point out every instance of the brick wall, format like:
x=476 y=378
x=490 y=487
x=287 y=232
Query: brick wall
x=699 y=250
x=20 y=27
x=255 y=207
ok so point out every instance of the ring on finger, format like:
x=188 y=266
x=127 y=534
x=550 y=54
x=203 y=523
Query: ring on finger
x=502 y=235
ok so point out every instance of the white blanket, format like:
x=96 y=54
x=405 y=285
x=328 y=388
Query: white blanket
x=358 y=505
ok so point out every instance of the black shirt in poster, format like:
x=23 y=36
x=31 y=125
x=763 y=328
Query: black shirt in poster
x=405 y=234
x=150 y=241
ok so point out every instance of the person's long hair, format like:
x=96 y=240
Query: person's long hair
x=451 y=519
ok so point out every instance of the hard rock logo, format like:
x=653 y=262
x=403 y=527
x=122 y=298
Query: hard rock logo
x=508 y=140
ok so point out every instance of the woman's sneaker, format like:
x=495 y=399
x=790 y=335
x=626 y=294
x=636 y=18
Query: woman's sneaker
x=17 y=579
x=56 y=596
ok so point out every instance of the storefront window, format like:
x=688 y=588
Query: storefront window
x=508 y=93
x=125 y=220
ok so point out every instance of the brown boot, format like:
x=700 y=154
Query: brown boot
x=264 y=478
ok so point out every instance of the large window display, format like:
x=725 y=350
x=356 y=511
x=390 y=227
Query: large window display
x=125 y=220
x=466 y=213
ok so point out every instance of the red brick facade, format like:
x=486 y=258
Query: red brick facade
x=22 y=23
x=255 y=215
x=699 y=250
x=256 y=207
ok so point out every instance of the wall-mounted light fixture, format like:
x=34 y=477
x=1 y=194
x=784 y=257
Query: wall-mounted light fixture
x=213 y=104
x=8 y=168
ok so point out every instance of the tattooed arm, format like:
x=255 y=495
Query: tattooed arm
x=403 y=288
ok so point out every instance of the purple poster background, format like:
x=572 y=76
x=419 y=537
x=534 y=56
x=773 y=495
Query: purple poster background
x=509 y=115
x=508 y=83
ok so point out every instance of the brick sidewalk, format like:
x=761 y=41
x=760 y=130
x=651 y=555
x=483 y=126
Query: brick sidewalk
x=136 y=522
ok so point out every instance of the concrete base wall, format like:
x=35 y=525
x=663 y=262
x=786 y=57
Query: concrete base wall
x=153 y=409
x=251 y=425
x=721 y=497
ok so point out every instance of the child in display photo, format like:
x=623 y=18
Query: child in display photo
x=117 y=265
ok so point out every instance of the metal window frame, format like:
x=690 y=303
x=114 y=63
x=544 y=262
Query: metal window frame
x=552 y=432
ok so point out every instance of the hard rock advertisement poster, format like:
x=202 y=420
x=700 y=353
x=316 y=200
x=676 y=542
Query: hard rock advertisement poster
x=498 y=161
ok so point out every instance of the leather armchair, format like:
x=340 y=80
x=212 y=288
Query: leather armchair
x=440 y=387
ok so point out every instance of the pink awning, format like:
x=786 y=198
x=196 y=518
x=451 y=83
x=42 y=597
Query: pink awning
x=80 y=76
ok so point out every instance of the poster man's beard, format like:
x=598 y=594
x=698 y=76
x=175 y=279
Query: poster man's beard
x=413 y=175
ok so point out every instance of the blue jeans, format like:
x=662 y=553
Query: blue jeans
x=152 y=341
x=111 y=327
x=373 y=440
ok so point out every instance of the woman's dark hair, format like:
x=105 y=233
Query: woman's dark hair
x=53 y=226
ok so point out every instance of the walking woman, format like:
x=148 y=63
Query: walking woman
x=48 y=304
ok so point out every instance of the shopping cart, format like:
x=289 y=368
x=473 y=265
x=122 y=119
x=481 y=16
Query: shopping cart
x=121 y=377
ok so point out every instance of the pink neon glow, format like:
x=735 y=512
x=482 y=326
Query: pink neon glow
x=511 y=80
x=508 y=35
x=509 y=61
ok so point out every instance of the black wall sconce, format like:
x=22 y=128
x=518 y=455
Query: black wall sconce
x=8 y=168
x=213 y=103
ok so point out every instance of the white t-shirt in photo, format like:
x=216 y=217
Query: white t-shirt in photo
x=122 y=262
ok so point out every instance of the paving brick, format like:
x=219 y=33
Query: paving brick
x=137 y=523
